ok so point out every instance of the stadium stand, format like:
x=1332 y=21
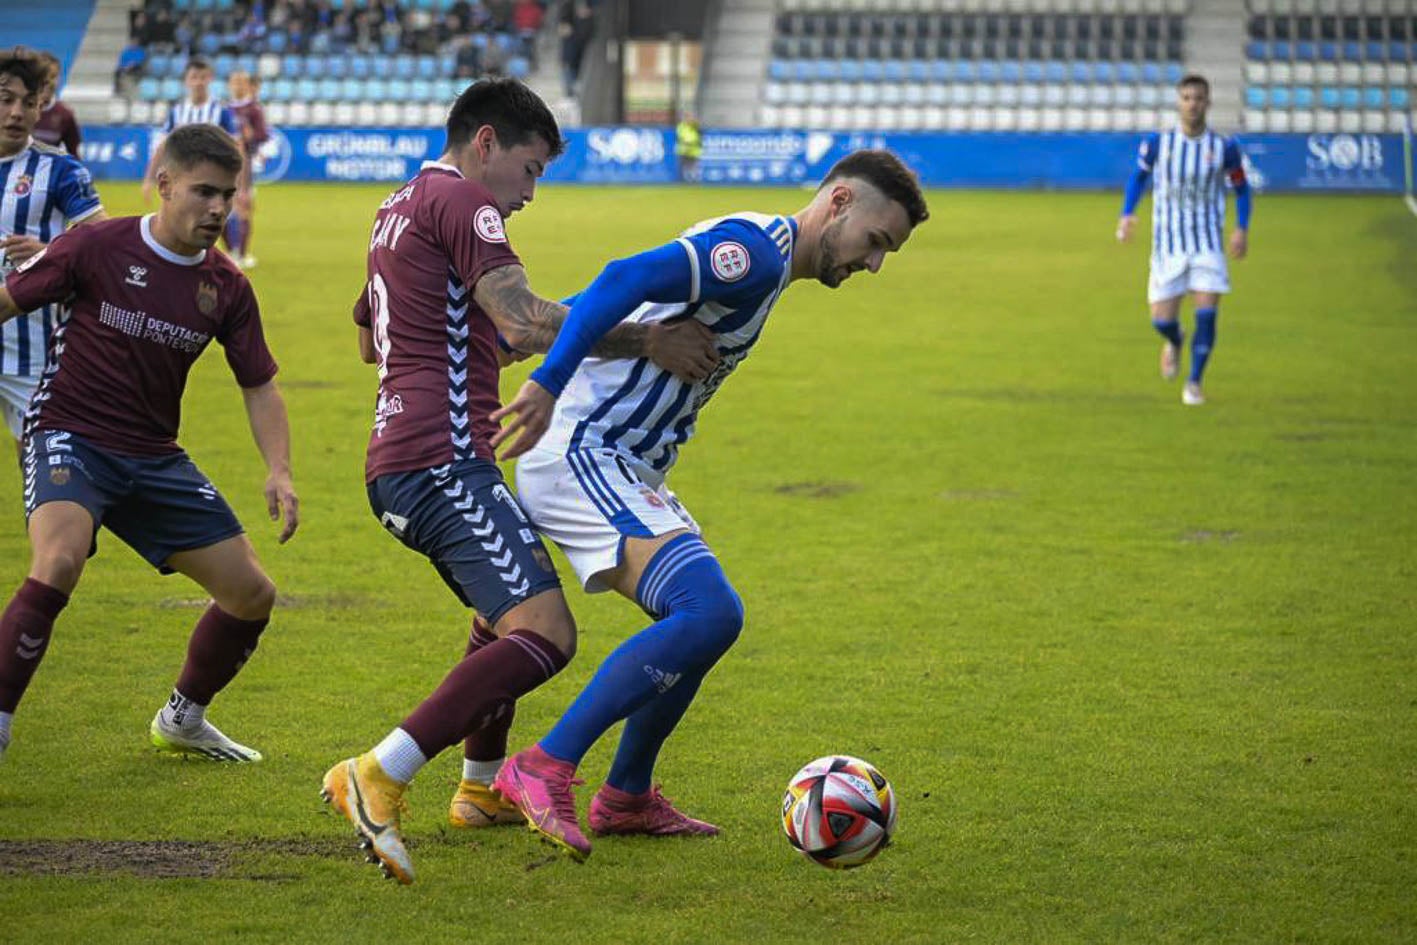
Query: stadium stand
x=336 y=62
x=1348 y=67
x=1040 y=66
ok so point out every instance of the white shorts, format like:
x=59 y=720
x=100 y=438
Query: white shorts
x=589 y=501
x=1174 y=276
x=15 y=394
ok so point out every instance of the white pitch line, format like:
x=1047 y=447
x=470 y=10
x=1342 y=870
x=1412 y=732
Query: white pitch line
x=1411 y=203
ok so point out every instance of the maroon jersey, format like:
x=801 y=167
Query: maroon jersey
x=437 y=351
x=251 y=119
x=57 y=127
x=142 y=315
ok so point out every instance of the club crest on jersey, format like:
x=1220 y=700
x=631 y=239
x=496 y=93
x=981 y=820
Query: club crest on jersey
x=730 y=261
x=23 y=186
x=488 y=223
x=59 y=475
x=206 y=298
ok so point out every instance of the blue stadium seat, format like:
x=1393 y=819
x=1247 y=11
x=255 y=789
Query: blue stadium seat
x=1054 y=72
x=894 y=70
x=306 y=89
x=292 y=67
x=1257 y=50
x=247 y=63
x=280 y=90
x=1105 y=72
x=209 y=44
x=1328 y=97
x=223 y=65
x=404 y=67
x=849 y=70
x=1305 y=51
x=328 y=90
x=917 y=70
x=780 y=70
x=276 y=41
x=399 y=89
x=171 y=89
x=148 y=89
x=1374 y=51
x=1151 y=73
x=447 y=66
x=336 y=67
x=1174 y=72
x=1279 y=49
x=446 y=89
x=1033 y=71
x=1010 y=72
x=1352 y=51
x=1350 y=98
x=987 y=70
x=518 y=67
x=351 y=90
x=157 y=64
x=872 y=70
x=361 y=67
x=1328 y=51
x=422 y=90
x=1399 y=98
x=376 y=90
x=1279 y=97
x=1255 y=97
x=1374 y=97
x=1128 y=73
x=427 y=67
x=1304 y=97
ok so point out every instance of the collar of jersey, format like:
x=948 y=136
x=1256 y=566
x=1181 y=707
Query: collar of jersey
x=147 y=229
x=439 y=165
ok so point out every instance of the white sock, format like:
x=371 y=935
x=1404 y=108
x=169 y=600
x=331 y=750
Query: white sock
x=483 y=772
x=5 y=718
x=182 y=713
x=400 y=756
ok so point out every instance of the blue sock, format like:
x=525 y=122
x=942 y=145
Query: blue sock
x=700 y=616
x=645 y=732
x=1203 y=341
x=1170 y=330
x=233 y=235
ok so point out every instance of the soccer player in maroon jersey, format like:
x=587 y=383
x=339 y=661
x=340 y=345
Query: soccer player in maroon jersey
x=251 y=120
x=100 y=439
x=445 y=303
x=57 y=125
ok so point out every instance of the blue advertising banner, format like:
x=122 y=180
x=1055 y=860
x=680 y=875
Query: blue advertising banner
x=1085 y=161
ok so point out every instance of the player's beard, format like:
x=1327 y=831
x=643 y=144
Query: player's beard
x=828 y=257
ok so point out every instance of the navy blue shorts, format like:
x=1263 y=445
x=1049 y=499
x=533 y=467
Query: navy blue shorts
x=465 y=520
x=158 y=505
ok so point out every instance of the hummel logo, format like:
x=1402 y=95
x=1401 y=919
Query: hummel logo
x=662 y=681
x=138 y=276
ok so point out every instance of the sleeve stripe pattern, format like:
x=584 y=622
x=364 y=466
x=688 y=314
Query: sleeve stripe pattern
x=693 y=269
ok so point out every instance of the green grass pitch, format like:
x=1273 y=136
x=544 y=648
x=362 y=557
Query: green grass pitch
x=1139 y=673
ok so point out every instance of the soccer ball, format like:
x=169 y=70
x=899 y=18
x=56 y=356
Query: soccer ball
x=839 y=811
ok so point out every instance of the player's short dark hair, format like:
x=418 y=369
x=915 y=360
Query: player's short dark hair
x=515 y=112
x=196 y=62
x=888 y=174
x=191 y=145
x=24 y=65
x=1194 y=78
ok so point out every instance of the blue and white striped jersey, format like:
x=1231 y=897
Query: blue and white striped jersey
x=1188 y=189
x=738 y=266
x=210 y=112
x=42 y=190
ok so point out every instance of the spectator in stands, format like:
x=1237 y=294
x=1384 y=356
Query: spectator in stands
x=131 y=63
x=576 y=27
x=527 y=17
x=56 y=122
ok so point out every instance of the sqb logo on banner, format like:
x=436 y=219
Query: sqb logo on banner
x=1344 y=161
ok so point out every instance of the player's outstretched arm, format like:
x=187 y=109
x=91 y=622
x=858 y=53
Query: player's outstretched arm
x=1235 y=164
x=270 y=426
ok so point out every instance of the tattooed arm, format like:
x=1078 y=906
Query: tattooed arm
x=529 y=323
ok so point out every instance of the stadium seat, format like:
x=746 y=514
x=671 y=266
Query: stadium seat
x=292 y=67
x=1304 y=97
x=148 y=89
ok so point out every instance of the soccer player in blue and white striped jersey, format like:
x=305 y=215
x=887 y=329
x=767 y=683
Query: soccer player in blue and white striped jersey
x=198 y=108
x=1189 y=166
x=42 y=191
x=595 y=484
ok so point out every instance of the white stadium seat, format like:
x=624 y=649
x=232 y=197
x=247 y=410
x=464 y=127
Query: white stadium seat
x=1301 y=122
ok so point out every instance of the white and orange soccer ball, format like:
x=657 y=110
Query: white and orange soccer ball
x=839 y=811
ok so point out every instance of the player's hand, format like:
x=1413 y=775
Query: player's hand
x=530 y=411
x=1239 y=244
x=1125 y=225
x=20 y=248
x=281 y=500
x=684 y=348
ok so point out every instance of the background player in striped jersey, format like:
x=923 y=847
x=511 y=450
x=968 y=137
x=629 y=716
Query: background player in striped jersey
x=1190 y=165
x=251 y=119
x=101 y=439
x=198 y=108
x=442 y=283
x=42 y=191
x=595 y=483
x=57 y=125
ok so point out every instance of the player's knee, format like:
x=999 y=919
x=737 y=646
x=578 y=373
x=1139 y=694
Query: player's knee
x=253 y=599
x=714 y=611
x=60 y=568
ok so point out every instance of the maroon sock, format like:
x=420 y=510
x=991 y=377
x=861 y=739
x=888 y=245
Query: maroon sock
x=488 y=743
x=482 y=688
x=219 y=647
x=24 y=636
